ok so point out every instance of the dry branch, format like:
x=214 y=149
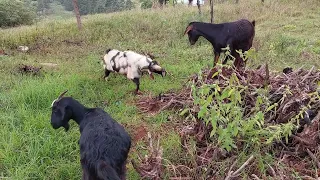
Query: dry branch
x=314 y=158
x=292 y=91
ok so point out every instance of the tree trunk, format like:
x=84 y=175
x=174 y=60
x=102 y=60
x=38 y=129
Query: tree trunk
x=76 y=11
x=198 y=4
x=211 y=11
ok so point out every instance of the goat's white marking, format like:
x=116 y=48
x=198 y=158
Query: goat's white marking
x=23 y=48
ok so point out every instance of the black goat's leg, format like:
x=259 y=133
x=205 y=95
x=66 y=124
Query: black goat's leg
x=238 y=62
x=106 y=74
x=137 y=82
x=85 y=173
x=216 y=58
x=225 y=60
x=123 y=171
x=229 y=43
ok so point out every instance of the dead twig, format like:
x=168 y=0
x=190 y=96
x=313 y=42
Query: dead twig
x=273 y=172
x=172 y=101
x=255 y=177
x=299 y=139
x=236 y=173
x=232 y=174
x=314 y=158
x=307 y=75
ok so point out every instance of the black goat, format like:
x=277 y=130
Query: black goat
x=104 y=144
x=238 y=35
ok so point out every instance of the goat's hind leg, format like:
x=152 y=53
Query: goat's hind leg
x=123 y=171
x=86 y=174
x=106 y=74
x=216 y=58
x=137 y=82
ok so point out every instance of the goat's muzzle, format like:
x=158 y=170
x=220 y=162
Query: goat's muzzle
x=192 y=42
x=56 y=126
x=66 y=127
x=163 y=73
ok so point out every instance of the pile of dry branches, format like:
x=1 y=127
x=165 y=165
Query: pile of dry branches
x=170 y=100
x=294 y=91
x=26 y=69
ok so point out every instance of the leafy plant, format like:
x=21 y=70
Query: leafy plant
x=14 y=12
x=146 y=4
x=223 y=107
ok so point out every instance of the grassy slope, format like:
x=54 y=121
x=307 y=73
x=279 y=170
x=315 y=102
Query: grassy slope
x=286 y=35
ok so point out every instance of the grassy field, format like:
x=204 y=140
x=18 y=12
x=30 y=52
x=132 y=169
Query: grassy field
x=287 y=34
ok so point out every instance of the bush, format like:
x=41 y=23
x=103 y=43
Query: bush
x=146 y=4
x=240 y=112
x=14 y=12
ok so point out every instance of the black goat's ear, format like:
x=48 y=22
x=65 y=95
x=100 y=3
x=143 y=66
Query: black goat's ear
x=253 y=23
x=189 y=28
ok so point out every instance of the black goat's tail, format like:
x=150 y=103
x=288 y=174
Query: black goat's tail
x=106 y=172
x=253 y=23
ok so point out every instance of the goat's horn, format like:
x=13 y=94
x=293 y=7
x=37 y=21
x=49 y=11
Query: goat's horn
x=189 y=28
x=62 y=94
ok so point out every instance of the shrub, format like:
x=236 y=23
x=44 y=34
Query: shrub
x=238 y=112
x=146 y=4
x=14 y=13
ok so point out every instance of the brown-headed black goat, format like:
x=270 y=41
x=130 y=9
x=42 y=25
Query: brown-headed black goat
x=238 y=35
x=104 y=144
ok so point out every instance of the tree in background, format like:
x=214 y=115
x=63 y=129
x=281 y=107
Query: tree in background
x=67 y=4
x=43 y=6
x=98 y=6
x=15 y=12
x=211 y=11
x=146 y=4
x=76 y=11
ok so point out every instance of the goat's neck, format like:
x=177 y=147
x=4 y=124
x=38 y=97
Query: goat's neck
x=143 y=63
x=209 y=35
x=78 y=111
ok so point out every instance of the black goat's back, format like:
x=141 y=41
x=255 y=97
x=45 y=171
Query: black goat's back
x=242 y=32
x=104 y=142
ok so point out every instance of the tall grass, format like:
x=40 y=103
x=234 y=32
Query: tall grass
x=286 y=35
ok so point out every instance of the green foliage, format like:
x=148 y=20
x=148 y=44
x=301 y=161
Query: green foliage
x=43 y=5
x=98 y=6
x=146 y=4
x=223 y=107
x=14 y=12
x=67 y=4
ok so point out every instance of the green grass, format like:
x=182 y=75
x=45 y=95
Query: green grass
x=287 y=34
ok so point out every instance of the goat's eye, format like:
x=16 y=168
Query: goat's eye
x=54 y=109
